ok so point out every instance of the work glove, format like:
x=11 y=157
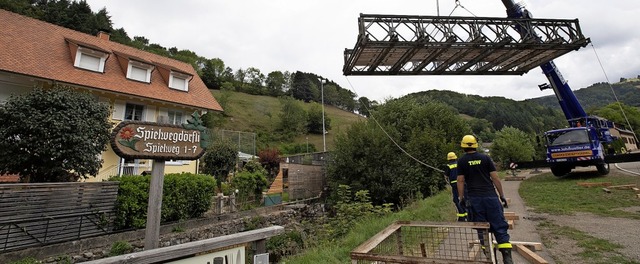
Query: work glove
x=504 y=202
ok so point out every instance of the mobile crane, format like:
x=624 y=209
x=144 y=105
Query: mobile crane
x=436 y=45
x=584 y=142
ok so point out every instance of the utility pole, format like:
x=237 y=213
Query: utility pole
x=324 y=132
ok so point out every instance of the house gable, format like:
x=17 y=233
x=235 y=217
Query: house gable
x=49 y=52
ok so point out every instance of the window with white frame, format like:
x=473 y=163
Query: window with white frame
x=133 y=112
x=179 y=81
x=90 y=59
x=175 y=117
x=139 y=71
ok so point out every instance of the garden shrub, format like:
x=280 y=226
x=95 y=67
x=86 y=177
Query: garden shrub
x=184 y=196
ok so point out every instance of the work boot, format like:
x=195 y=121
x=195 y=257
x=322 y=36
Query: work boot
x=506 y=256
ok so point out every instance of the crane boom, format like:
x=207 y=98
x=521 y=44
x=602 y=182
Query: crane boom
x=585 y=141
x=566 y=98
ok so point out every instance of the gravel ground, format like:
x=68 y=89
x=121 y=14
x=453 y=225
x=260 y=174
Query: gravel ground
x=563 y=250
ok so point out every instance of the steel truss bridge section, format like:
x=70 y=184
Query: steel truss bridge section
x=436 y=45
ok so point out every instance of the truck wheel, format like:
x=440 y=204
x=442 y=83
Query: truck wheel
x=603 y=169
x=560 y=171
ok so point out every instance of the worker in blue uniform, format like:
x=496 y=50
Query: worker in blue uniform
x=451 y=174
x=477 y=173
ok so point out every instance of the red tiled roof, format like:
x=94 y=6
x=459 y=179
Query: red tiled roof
x=32 y=47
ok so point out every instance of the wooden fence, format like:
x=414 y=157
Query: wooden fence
x=44 y=213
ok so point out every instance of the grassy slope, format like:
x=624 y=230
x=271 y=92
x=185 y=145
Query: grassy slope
x=254 y=113
x=438 y=208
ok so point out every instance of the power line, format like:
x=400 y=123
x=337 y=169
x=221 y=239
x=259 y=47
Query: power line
x=387 y=134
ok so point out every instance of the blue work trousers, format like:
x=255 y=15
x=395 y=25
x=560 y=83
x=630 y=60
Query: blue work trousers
x=462 y=212
x=489 y=209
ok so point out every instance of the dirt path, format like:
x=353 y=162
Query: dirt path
x=561 y=249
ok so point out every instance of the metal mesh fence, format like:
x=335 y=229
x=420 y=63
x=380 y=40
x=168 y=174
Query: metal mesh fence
x=421 y=242
x=246 y=141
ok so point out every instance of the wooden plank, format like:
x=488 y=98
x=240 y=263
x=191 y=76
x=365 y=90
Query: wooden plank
x=606 y=190
x=534 y=246
x=161 y=255
x=530 y=255
x=636 y=190
x=514 y=178
x=377 y=239
x=594 y=184
x=623 y=187
x=511 y=216
x=511 y=224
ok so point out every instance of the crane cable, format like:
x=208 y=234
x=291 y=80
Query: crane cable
x=376 y=121
x=614 y=92
x=385 y=131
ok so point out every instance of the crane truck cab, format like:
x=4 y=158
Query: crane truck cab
x=584 y=144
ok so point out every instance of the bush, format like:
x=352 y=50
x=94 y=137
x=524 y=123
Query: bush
x=287 y=244
x=120 y=248
x=184 y=196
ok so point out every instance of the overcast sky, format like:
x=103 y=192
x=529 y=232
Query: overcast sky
x=310 y=36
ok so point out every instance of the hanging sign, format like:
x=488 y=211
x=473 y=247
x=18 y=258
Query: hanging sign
x=149 y=140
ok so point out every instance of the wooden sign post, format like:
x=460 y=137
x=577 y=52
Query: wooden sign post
x=160 y=142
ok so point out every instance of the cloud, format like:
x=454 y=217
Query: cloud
x=310 y=36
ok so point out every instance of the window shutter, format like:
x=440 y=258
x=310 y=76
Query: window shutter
x=150 y=113
x=118 y=110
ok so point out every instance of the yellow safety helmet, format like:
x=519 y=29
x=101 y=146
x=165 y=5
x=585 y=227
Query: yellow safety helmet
x=469 y=141
x=451 y=156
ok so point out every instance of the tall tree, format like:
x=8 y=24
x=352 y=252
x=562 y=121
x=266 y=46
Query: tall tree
x=53 y=135
x=366 y=159
x=256 y=81
x=365 y=106
x=314 y=119
x=293 y=118
x=512 y=144
x=275 y=83
x=212 y=73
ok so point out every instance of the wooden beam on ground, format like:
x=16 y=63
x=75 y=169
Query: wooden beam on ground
x=530 y=255
x=534 y=246
x=606 y=190
x=594 y=184
x=514 y=178
x=511 y=216
x=511 y=225
x=636 y=190
x=623 y=187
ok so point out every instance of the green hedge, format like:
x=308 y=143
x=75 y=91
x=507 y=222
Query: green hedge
x=184 y=196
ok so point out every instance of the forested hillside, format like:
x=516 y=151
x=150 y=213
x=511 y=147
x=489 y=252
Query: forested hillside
x=599 y=95
x=498 y=112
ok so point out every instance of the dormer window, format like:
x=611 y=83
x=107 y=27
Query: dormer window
x=179 y=81
x=139 y=71
x=90 y=59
